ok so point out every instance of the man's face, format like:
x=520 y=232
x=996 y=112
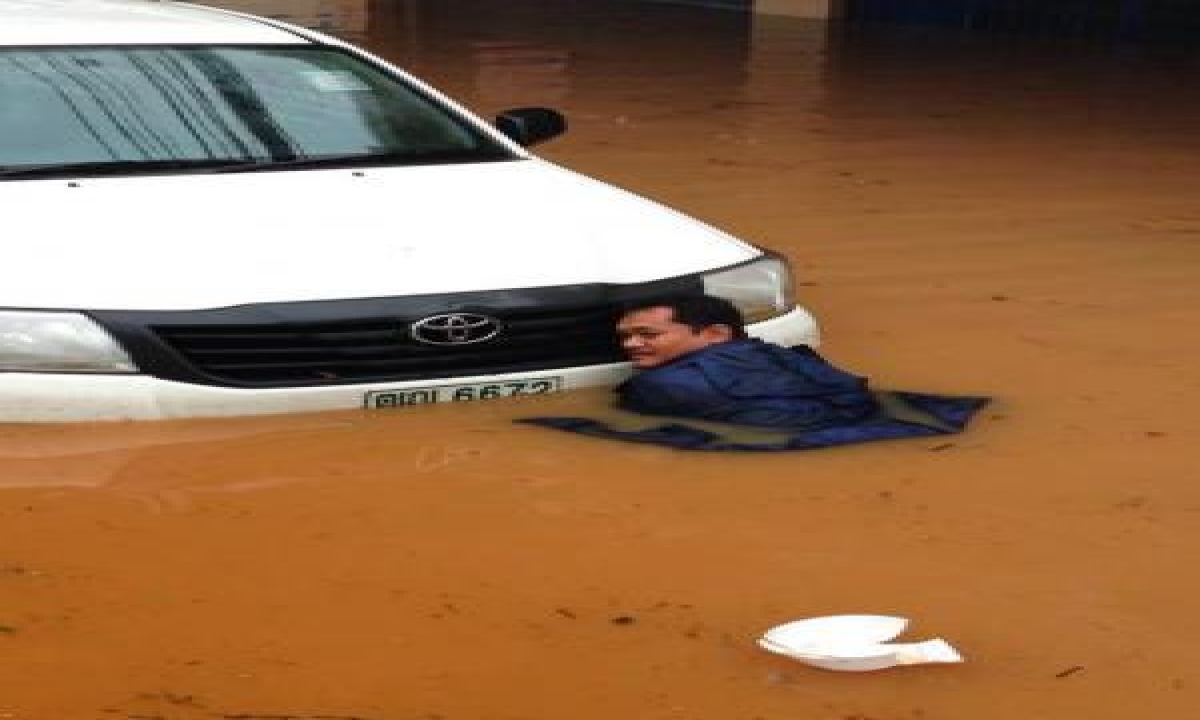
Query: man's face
x=651 y=337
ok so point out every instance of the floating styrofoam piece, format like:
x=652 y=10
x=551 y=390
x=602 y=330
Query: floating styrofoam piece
x=854 y=643
x=838 y=629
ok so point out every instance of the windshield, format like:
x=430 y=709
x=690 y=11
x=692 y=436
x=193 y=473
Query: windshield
x=142 y=109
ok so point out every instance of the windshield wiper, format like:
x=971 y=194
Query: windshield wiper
x=233 y=165
x=118 y=167
x=347 y=160
x=363 y=160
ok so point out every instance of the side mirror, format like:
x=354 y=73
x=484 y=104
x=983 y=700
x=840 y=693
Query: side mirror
x=532 y=125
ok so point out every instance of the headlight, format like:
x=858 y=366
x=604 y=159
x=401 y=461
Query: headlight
x=761 y=289
x=58 y=342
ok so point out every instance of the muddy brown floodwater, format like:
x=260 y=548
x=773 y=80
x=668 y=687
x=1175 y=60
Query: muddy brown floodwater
x=966 y=215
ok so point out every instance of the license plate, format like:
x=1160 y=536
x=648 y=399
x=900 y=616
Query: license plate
x=378 y=399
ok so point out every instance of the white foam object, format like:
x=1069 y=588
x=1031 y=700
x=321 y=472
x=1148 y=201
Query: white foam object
x=854 y=643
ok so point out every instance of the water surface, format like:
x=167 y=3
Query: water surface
x=966 y=213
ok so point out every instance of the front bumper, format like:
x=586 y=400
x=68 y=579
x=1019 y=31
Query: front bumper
x=46 y=397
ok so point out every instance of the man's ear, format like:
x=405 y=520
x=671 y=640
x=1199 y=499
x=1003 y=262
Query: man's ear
x=717 y=333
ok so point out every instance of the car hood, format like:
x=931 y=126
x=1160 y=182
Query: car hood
x=177 y=242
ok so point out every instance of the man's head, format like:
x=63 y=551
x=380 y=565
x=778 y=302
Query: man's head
x=655 y=332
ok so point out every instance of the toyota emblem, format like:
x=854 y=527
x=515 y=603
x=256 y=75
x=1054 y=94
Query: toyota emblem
x=455 y=329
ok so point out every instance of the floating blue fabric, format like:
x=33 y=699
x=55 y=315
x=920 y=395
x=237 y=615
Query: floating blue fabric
x=903 y=415
x=748 y=395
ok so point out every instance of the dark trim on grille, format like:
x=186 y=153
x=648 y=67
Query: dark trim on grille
x=359 y=341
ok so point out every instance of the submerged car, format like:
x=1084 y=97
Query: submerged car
x=207 y=213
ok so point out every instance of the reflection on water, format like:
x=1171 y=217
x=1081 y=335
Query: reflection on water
x=166 y=465
x=160 y=463
x=508 y=70
x=983 y=87
x=346 y=18
x=1097 y=21
x=642 y=58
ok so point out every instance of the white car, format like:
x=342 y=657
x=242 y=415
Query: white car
x=206 y=213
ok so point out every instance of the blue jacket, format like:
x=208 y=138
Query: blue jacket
x=751 y=382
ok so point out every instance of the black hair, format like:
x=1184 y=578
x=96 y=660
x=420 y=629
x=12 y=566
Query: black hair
x=695 y=311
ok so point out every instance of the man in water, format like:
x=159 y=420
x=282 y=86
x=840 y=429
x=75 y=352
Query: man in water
x=695 y=360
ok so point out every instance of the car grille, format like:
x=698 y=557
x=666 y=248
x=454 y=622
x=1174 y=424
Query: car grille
x=381 y=349
x=357 y=341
